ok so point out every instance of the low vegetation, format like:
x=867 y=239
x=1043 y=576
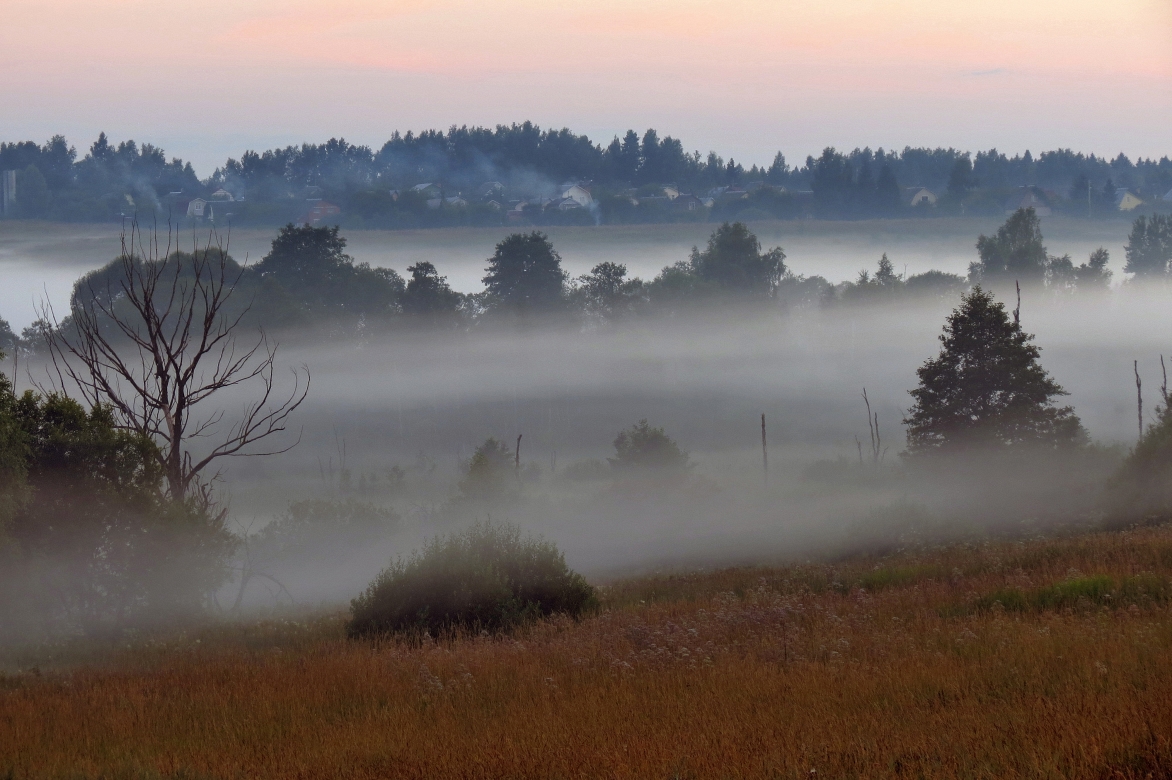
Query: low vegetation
x=488 y=578
x=1042 y=658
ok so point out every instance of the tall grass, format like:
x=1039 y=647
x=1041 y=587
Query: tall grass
x=896 y=667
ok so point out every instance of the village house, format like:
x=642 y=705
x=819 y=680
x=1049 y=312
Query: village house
x=320 y=211
x=1125 y=200
x=580 y=194
x=1027 y=198
x=196 y=208
x=919 y=196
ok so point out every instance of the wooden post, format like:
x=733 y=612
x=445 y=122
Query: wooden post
x=1139 y=399
x=764 y=449
x=517 y=458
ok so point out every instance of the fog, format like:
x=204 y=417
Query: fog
x=423 y=403
x=39 y=259
x=415 y=405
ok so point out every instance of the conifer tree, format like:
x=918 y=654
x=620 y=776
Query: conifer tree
x=987 y=388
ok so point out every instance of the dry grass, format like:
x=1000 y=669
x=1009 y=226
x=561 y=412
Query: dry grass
x=1035 y=659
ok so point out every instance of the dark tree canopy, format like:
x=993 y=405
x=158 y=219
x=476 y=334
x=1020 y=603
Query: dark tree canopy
x=734 y=261
x=525 y=275
x=429 y=294
x=1016 y=252
x=310 y=265
x=1149 y=247
x=986 y=388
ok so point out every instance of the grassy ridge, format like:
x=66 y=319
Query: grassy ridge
x=1046 y=658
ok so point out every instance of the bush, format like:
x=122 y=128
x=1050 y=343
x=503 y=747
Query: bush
x=487 y=578
x=647 y=449
x=490 y=472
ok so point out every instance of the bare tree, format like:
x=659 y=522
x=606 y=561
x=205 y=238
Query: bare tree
x=158 y=342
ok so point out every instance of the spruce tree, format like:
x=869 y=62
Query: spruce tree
x=987 y=388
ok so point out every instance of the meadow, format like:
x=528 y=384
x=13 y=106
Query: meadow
x=1039 y=658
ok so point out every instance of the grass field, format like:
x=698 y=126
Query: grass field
x=1044 y=658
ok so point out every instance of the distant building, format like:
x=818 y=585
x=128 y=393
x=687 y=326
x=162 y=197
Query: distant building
x=197 y=208
x=1126 y=201
x=490 y=189
x=427 y=189
x=686 y=202
x=320 y=211
x=7 y=193
x=494 y=204
x=1027 y=198
x=579 y=194
x=919 y=196
x=455 y=202
x=223 y=195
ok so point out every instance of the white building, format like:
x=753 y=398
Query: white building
x=579 y=194
x=1125 y=201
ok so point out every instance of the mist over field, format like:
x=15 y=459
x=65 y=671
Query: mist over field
x=393 y=418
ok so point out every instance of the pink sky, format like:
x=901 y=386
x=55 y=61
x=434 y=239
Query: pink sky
x=744 y=77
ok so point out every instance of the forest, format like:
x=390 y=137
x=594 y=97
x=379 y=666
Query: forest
x=511 y=174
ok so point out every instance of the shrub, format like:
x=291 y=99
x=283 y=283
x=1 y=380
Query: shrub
x=490 y=472
x=643 y=448
x=487 y=578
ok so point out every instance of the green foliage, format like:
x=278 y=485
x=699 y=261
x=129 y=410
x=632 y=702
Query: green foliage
x=525 y=276
x=1142 y=488
x=1149 y=247
x=86 y=510
x=987 y=388
x=488 y=578
x=733 y=261
x=429 y=295
x=1081 y=593
x=33 y=198
x=491 y=472
x=312 y=265
x=606 y=294
x=647 y=450
x=1016 y=251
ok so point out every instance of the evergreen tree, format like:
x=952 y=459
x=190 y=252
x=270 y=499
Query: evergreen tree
x=1149 y=247
x=987 y=388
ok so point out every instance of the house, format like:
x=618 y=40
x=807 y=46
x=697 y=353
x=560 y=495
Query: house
x=565 y=204
x=494 y=204
x=454 y=202
x=320 y=211
x=1028 y=198
x=490 y=189
x=579 y=194
x=427 y=189
x=223 y=194
x=919 y=196
x=1126 y=201
x=196 y=208
x=686 y=202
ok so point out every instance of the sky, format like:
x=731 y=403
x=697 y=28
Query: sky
x=746 y=78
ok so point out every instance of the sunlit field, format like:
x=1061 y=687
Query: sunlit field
x=1039 y=658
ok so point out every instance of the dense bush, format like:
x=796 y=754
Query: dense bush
x=642 y=448
x=487 y=578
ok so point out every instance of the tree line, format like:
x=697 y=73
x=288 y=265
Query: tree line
x=308 y=280
x=376 y=187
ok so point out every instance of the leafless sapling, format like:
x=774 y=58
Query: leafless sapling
x=158 y=342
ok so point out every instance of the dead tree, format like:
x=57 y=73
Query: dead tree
x=877 y=451
x=159 y=343
x=764 y=449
